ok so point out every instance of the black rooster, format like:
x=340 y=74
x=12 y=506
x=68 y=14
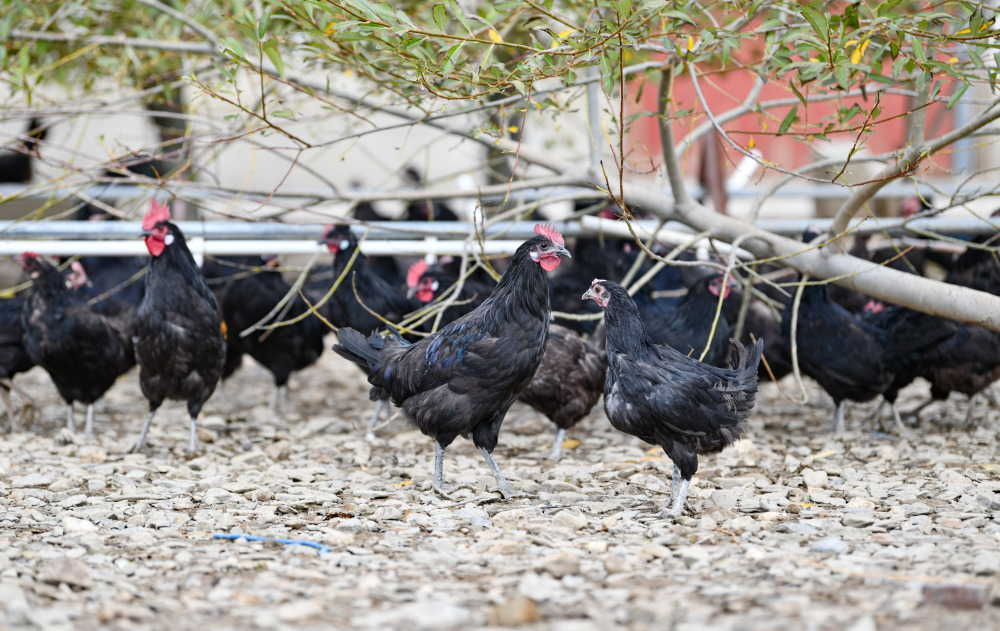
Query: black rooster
x=569 y=381
x=463 y=379
x=179 y=338
x=13 y=357
x=344 y=310
x=666 y=398
x=83 y=351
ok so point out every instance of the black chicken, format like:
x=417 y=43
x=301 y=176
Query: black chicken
x=666 y=398
x=83 y=351
x=179 y=341
x=344 y=310
x=464 y=378
x=687 y=328
x=427 y=283
x=15 y=165
x=845 y=353
x=283 y=350
x=13 y=357
x=569 y=381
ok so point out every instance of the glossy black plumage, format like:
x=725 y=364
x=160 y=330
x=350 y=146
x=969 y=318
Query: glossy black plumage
x=343 y=309
x=83 y=351
x=569 y=381
x=666 y=398
x=13 y=356
x=283 y=350
x=16 y=163
x=842 y=351
x=179 y=342
x=687 y=328
x=463 y=379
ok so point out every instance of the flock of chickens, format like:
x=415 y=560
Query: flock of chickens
x=661 y=357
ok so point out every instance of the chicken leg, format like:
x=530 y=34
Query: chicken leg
x=89 y=427
x=438 y=468
x=557 y=444
x=838 y=418
x=676 y=485
x=193 y=439
x=678 y=505
x=142 y=435
x=370 y=434
x=69 y=419
x=502 y=485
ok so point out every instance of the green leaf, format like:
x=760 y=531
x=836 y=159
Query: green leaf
x=234 y=46
x=271 y=50
x=817 y=21
x=284 y=114
x=957 y=95
x=440 y=16
x=791 y=117
x=798 y=95
x=265 y=19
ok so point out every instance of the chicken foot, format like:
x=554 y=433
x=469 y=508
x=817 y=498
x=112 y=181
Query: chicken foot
x=678 y=502
x=502 y=485
x=557 y=444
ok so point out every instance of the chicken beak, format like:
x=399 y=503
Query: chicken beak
x=411 y=292
x=587 y=295
x=561 y=251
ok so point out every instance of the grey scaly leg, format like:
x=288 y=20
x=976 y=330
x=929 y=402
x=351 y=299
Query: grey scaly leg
x=139 y=444
x=678 y=505
x=273 y=406
x=370 y=434
x=193 y=439
x=502 y=485
x=557 y=444
x=676 y=484
x=439 y=469
x=288 y=395
x=899 y=419
x=972 y=408
x=89 y=427
x=69 y=418
x=838 y=418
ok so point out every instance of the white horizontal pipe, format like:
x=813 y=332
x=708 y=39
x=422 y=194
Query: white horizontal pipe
x=223 y=248
x=616 y=228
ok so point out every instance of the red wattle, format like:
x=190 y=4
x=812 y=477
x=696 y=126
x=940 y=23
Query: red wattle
x=155 y=246
x=425 y=295
x=550 y=262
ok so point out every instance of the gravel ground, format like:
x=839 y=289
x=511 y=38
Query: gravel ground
x=790 y=529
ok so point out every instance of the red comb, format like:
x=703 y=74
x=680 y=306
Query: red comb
x=415 y=272
x=549 y=231
x=157 y=212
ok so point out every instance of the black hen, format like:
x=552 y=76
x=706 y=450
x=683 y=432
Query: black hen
x=569 y=381
x=427 y=283
x=83 y=351
x=666 y=398
x=179 y=341
x=13 y=357
x=15 y=165
x=344 y=310
x=463 y=379
x=283 y=350
x=687 y=328
x=845 y=353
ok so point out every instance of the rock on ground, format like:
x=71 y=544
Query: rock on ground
x=791 y=528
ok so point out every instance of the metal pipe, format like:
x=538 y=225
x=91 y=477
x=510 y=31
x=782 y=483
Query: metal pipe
x=238 y=247
x=402 y=230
